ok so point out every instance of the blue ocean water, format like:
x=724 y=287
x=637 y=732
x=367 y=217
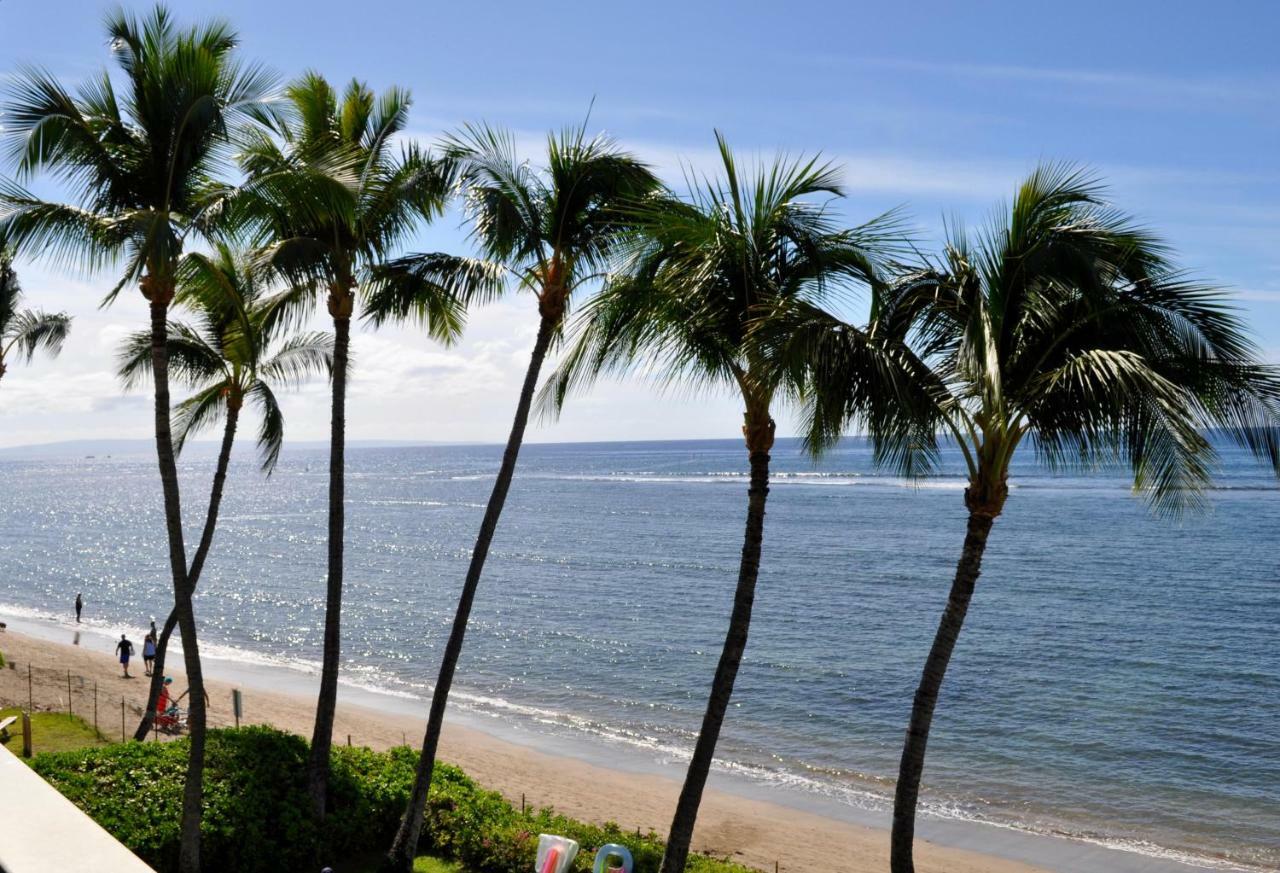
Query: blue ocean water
x=1118 y=679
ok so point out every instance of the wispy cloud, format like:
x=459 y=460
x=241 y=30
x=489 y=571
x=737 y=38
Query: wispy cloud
x=1254 y=295
x=864 y=172
x=447 y=109
x=898 y=178
x=1232 y=90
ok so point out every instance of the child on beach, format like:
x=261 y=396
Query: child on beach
x=167 y=714
x=163 y=699
x=149 y=649
x=124 y=649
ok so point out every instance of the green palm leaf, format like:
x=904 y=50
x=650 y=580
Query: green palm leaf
x=23 y=332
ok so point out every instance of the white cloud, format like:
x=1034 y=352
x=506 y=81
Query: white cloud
x=111 y=336
x=404 y=386
x=61 y=392
x=391 y=368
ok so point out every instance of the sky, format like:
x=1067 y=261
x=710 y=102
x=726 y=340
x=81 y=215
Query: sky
x=933 y=106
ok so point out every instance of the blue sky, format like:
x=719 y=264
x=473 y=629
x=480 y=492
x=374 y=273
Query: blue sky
x=939 y=107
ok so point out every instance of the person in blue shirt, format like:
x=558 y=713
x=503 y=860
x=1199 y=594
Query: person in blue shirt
x=124 y=649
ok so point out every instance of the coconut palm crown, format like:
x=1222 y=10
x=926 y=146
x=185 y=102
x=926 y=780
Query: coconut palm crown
x=144 y=161
x=1068 y=323
x=334 y=190
x=232 y=353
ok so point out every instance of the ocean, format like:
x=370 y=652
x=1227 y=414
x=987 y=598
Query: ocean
x=1117 y=682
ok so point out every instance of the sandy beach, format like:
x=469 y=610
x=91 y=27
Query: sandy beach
x=751 y=831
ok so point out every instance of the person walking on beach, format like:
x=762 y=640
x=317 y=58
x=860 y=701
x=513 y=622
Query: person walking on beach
x=79 y=606
x=124 y=649
x=149 y=649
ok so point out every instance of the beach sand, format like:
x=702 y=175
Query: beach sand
x=753 y=832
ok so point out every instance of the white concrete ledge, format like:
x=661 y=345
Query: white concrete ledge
x=41 y=831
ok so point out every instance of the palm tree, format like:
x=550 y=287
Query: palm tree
x=699 y=278
x=143 y=165
x=330 y=197
x=1067 y=324
x=554 y=230
x=229 y=358
x=23 y=331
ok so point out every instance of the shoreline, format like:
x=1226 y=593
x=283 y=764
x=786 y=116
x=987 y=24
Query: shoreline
x=749 y=822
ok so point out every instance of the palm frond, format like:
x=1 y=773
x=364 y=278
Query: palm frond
x=198 y=412
x=696 y=278
x=193 y=360
x=10 y=287
x=435 y=289
x=271 y=431
x=1068 y=322
x=843 y=376
x=49 y=128
x=30 y=330
x=298 y=358
x=60 y=233
x=133 y=359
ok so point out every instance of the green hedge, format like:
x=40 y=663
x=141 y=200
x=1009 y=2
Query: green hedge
x=257 y=814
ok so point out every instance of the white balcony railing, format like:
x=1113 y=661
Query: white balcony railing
x=40 y=830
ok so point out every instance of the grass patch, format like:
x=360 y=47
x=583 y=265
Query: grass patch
x=422 y=864
x=52 y=732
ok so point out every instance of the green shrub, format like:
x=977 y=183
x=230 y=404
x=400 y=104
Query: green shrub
x=257 y=815
x=255 y=780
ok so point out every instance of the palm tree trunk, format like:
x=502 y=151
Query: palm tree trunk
x=405 y=844
x=197 y=565
x=327 y=700
x=935 y=669
x=193 y=787
x=735 y=644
